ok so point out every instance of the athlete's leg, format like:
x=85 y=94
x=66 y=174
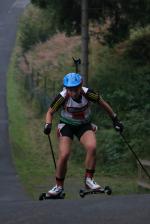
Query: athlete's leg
x=88 y=140
x=63 y=156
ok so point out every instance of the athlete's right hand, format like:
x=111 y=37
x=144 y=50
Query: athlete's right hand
x=47 y=128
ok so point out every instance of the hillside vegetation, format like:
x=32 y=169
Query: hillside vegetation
x=120 y=74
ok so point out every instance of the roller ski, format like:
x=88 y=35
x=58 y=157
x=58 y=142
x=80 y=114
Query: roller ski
x=107 y=190
x=55 y=193
x=91 y=187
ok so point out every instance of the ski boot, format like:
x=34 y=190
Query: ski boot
x=91 y=187
x=56 y=192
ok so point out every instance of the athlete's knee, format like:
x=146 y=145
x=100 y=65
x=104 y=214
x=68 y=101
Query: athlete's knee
x=64 y=156
x=91 y=149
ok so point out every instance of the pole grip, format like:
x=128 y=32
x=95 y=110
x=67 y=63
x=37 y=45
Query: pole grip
x=77 y=62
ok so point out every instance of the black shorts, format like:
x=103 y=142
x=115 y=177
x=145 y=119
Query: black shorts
x=71 y=130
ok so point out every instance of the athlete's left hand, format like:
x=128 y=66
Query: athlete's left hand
x=118 y=125
x=47 y=128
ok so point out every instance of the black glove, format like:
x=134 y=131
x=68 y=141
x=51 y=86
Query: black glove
x=118 y=124
x=47 y=128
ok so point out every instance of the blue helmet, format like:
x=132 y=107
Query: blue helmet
x=72 y=80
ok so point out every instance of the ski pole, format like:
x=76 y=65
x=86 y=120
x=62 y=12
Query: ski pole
x=131 y=149
x=77 y=62
x=51 y=147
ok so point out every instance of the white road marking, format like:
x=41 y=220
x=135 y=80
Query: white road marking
x=19 y=4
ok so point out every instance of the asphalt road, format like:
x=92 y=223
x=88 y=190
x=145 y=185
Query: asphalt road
x=10 y=11
x=15 y=206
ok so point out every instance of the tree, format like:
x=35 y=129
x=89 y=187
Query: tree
x=85 y=40
x=122 y=15
x=77 y=22
x=66 y=14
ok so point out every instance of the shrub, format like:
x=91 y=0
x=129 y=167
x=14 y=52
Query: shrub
x=138 y=47
x=35 y=26
x=126 y=87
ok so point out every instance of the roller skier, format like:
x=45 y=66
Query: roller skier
x=75 y=120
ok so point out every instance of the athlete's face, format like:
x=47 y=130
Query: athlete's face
x=74 y=92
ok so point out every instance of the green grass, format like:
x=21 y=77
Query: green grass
x=31 y=162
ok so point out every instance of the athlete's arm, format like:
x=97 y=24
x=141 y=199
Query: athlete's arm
x=95 y=97
x=55 y=105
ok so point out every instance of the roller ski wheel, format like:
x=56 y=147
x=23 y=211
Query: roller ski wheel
x=45 y=196
x=106 y=190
